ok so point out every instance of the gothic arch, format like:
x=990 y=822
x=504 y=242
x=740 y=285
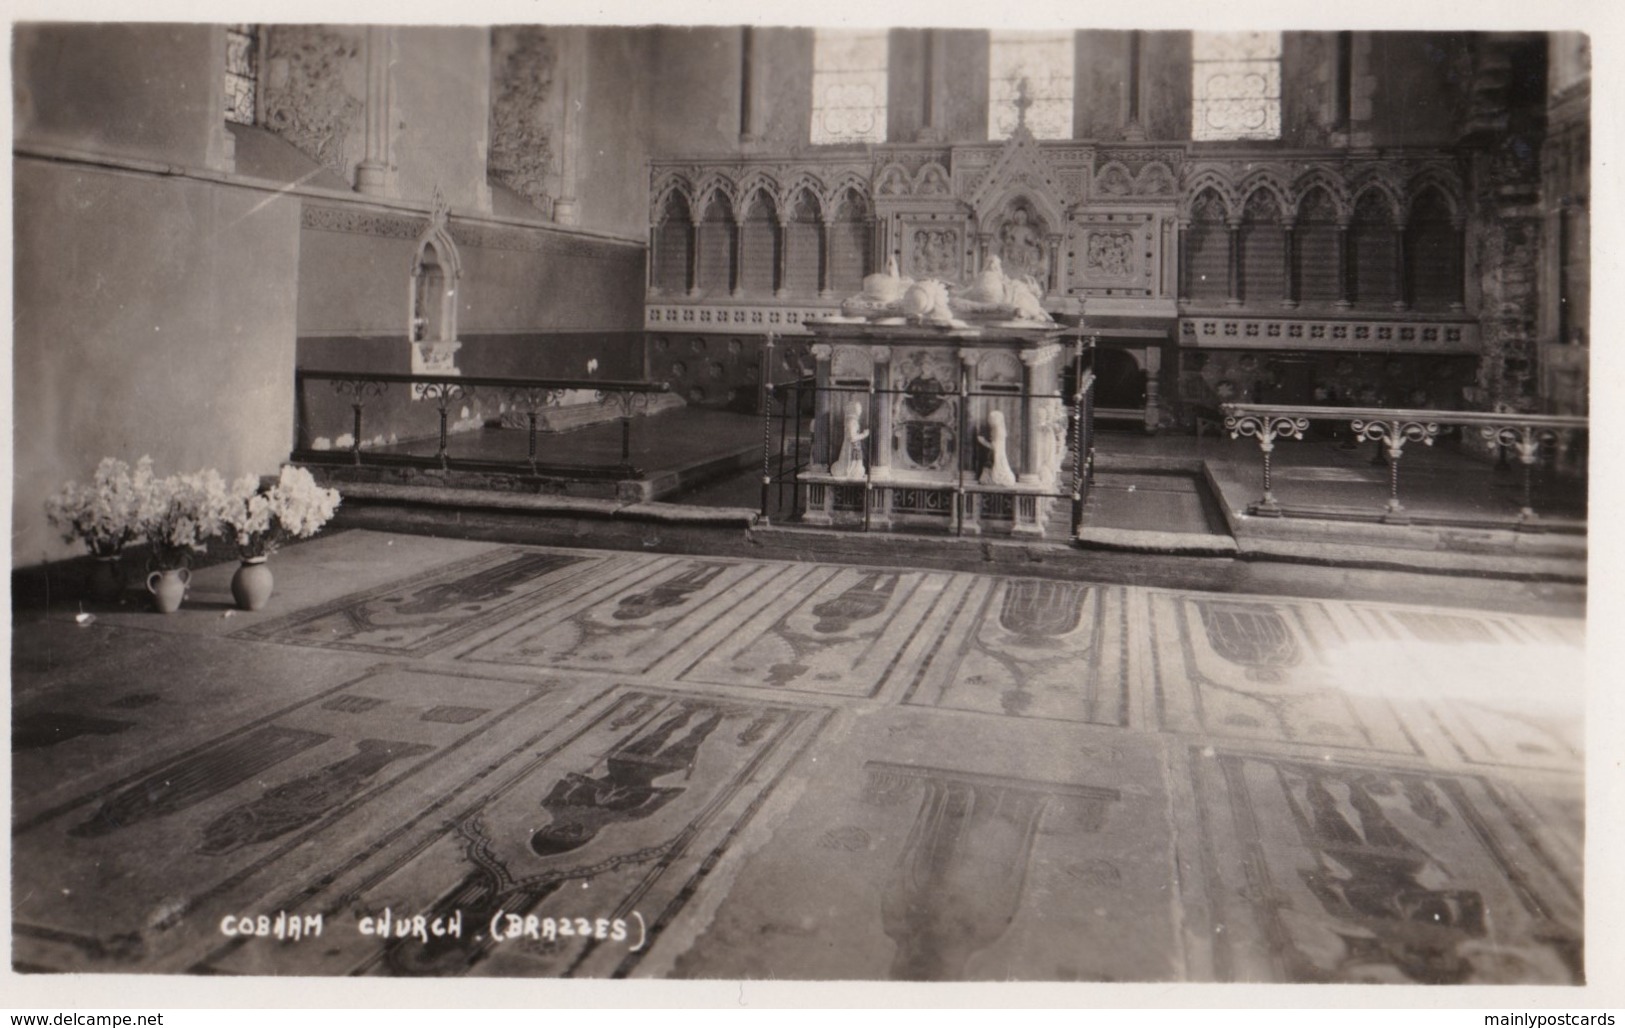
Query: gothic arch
x=846 y=187
x=933 y=180
x=672 y=184
x=1439 y=181
x=709 y=188
x=1327 y=181
x=1210 y=180
x=1268 y=180
x=893 y=180
x=1375 y=183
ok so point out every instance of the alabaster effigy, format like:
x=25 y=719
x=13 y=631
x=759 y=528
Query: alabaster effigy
x=990 y=297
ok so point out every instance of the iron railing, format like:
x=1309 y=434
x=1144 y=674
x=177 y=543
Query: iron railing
x=531 y=397
x=1528 y=436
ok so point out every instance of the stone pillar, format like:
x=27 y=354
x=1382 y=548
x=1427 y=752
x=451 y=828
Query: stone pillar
x=935 y=129
x=1031 y=362
x=650 y=269
x=1234 y=297
x=1401 y=277
x=1054 y=285
x=871 y=234
x=781 y=270
x=822 y=352
x=1345 y=292
x=695 y=238
x=372 y=174
x=737 y=282
x=1458 y=263
x=826 y=287
x=564 y=207
x=1289 y=287
x=880 y=451
x=1182 y=284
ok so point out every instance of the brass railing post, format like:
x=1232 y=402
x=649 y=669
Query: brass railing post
x=1266 y=428
x=1393 y=434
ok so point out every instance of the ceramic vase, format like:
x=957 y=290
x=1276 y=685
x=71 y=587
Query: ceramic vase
x=106 y=582
x=168 y=589
x=251 y=585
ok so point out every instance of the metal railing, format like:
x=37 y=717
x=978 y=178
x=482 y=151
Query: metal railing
x=1527 y=436
x=794 y=408
x=531 y=397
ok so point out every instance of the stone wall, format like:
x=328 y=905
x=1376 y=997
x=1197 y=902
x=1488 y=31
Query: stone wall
x=132 y=338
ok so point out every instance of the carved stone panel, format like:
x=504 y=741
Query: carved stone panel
x=1018 y=240
x=1112 y=255
x=933 y=248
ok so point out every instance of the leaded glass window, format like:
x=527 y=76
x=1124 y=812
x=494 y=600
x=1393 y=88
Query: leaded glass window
x=1030 y=72
x=1236 y=85
x=242 y=72
x=849 y=86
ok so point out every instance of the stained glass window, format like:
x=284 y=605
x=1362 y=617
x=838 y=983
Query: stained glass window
x=1236 y=85
x=242 y=72
x=849 y=86
x=1031 y=72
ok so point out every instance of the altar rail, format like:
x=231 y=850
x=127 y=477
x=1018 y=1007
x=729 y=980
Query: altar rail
x=530 y=397
x=790 y=408
x=1527 y=437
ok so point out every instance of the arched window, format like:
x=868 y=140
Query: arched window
x=849 y=86
x=1235 y=85
x=1029 y=79
x=242 y=72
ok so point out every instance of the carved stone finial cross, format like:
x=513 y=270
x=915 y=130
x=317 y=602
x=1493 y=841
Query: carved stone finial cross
x=1022 y=101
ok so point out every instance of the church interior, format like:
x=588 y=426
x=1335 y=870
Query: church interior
x=895 y=504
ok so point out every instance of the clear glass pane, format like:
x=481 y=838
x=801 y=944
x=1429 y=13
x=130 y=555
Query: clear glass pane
x=1031 y=70
x=1236 y=85
x=849 y=86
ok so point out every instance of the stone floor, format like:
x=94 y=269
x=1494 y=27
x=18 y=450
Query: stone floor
x=735 y=768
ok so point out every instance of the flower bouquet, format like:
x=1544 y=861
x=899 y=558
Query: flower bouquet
x=258 y=520
x=179 y=515
x=105 y=515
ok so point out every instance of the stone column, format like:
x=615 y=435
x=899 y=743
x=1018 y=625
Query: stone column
x=1234 y=299
x=695 y=238
x=1054 y=285
x=1458 y=264
x=650 y=269
x=1182 y=273
x=880 y=451
x=781 y=271
x=825 y=279
x=822 y=352
x=1289 y=287
x=1401 y=278
x=935 y=129
x=1032 y=361
x=372 y=174
x=564 y=207
x=737 y=285
x=1345 y=292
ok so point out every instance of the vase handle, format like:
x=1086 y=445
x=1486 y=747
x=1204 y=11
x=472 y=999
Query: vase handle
x=152 y=582
x=185 y=575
